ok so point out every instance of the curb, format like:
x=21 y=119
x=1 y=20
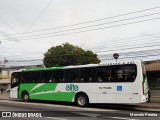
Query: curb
x=140 y=107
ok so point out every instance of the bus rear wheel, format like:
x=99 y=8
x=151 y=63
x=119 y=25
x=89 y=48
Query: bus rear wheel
x=25 y=97
x=82 y=100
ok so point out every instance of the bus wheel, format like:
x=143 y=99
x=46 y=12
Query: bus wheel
x=82 y=100
x=25 y=97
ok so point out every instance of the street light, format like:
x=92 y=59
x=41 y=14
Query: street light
x=116 y=55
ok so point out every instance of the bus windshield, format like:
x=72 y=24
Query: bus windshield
x=15 y=79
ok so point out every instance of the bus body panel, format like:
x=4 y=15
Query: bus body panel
x=137 y=85
x=140 y=85
x=124 y=93
x=93 y=91
x=45 y=91
x=14 y=92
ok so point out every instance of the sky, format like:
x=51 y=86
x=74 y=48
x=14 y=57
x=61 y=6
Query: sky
x=28 y=28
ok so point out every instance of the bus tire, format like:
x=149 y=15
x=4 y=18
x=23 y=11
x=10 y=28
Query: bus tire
x=25 y=97
x=82 y=100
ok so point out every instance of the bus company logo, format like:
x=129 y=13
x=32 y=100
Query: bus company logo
x=72 y=87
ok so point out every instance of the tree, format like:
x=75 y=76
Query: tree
x=67 y=54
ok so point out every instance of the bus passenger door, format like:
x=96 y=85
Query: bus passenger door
x=105 y=85
x=136 y=93
x=123 y=93
x=15 y=81
x=125 y=77
x=105 y=93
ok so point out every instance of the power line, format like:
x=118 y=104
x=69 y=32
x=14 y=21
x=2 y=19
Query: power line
x=106 y=42
x=110 y=40
x=93 y=29
x=25 y=60
x=90 y=25
x=149 y=44
x=139 y=11
x=142 y=51
x=106 y=27
x=24 y=54
x=128 y=54
x=84 y=23
x=125 y=57
x=139 y=46
x=38 y=16
x=93 y=44
x=130 y=57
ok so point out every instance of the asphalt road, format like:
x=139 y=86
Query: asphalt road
x=39 y=110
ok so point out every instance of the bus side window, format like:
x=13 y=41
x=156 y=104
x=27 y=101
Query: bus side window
x=125 y=73
x=69 y=77
x=90 y=79
x=26 y=77
x=73 y=75
x=100 y=79
x=101 y=74
x=58 y=76
x=108 y=76
x=50 y=80
x=87 y=74
x=110 y=79
x=43 y=80
x=35 y=77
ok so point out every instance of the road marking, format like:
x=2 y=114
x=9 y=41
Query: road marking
x=60 y=106
x=87 y=114
x=3 y=110
x=55 y=118
x=123 y=118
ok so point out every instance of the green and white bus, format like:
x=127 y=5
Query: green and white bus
x=124 y=82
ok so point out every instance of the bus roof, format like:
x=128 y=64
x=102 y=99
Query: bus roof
x=79 y=66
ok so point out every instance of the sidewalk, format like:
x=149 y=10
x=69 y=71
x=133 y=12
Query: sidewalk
x=4 y=96
x=152 y=106
x=148 y=107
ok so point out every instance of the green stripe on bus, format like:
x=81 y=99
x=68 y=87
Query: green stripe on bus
x=40 y=69
x=33 y=88
x=58 y=96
